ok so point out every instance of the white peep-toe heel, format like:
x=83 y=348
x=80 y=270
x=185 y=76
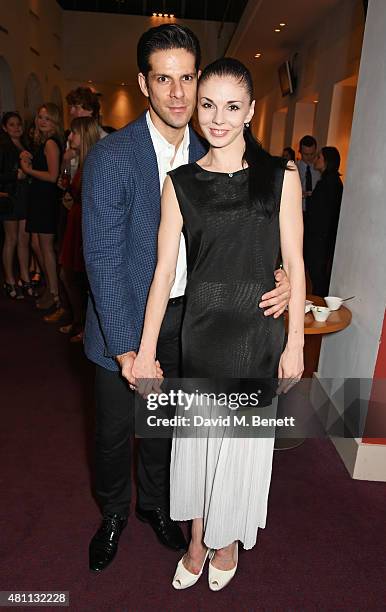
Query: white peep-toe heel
x=217 y=578
x=184 y=579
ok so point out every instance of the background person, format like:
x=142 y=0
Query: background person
x=83 y=136
x=43 y=201
x=288 y=154
x=13 y=207
x=321 y=223
x=309 y=176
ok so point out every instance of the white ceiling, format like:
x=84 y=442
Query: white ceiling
x=255 y=32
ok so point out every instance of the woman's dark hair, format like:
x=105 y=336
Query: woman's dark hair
x=162 y=38
x=291 y=153
x=262 y=165
x=332 y=158
x=4 y=136
x=10 y=115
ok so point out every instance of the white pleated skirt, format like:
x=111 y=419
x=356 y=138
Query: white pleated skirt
x=224 y=480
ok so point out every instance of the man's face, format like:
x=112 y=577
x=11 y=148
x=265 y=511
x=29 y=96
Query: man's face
x=171 y=86
x=77 y=110
x=308 y=154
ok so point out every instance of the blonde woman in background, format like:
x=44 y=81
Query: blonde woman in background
x=43 y=202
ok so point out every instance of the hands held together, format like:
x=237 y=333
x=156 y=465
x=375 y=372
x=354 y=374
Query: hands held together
x=144 y=374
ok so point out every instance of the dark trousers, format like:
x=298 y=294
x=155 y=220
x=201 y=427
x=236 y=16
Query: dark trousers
x=317 y=259
x=115 y=428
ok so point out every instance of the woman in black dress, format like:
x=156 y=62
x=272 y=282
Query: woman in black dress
x=237 y=207
x=13 y=207
x=321 y=220
x=43 y=204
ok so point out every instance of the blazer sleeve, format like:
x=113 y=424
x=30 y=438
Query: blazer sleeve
x=105 y=222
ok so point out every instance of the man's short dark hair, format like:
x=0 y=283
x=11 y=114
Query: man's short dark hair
x=86 y=98
x=162 y=38
x=307 y=141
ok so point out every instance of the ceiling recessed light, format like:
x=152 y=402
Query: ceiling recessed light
x=257 y=54
x=166 y=15
x=159 y=14
x=277 y=30
x=154 y=14
x=89 y=81
x=315 y=101
x=123 y=84
x=282 y=24
x=171 y=16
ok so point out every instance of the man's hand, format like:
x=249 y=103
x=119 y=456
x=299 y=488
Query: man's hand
x=125 y=362
x=275 y=301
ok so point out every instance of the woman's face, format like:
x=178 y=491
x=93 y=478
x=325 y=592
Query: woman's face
x=74 y=140
x=14 y=127
x=44 y=123
x=223 y=108
x=320 y=162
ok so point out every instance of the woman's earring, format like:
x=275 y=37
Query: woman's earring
x=246 y=125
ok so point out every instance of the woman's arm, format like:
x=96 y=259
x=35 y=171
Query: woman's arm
x=52 y=153
x=291 y=239
x=169 y=236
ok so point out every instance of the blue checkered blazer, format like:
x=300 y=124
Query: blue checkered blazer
x=121 y=214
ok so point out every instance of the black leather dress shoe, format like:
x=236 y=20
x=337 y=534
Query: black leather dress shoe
x=104 y=545
x=167 y=531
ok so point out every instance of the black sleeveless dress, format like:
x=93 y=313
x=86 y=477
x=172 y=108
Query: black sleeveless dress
x=44 y=197
x=232 y=252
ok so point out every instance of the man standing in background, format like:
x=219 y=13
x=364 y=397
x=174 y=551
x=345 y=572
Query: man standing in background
x=308 y=175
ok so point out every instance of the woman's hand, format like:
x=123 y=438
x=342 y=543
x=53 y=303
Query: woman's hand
x=291 y=368
x=67 y=201
x=26 y=155
x=147 y=373
x=26 y=161
x=21 y=175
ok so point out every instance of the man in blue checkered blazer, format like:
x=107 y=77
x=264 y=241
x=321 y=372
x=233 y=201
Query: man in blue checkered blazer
x=122 y=180
x=121 y=213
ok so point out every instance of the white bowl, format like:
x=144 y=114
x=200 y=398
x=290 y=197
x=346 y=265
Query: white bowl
x=333 y=303
x=321 y=313
x=307 y=306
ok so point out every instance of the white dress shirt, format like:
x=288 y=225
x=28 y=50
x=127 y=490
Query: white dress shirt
x=315 y=175
x=165 y=152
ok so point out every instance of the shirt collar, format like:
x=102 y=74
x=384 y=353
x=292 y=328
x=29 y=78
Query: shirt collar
x=160 y=141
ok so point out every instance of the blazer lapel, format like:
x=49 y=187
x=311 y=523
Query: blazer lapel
x=196 y=147
x=147 y=159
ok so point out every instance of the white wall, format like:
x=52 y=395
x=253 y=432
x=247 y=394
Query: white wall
x=74 y=47
x=359 y=263
x=101 y=47
x=360 y=256
x=329 y=54
x=40 y=29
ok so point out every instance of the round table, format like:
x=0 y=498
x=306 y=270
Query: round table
x=313 y=332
